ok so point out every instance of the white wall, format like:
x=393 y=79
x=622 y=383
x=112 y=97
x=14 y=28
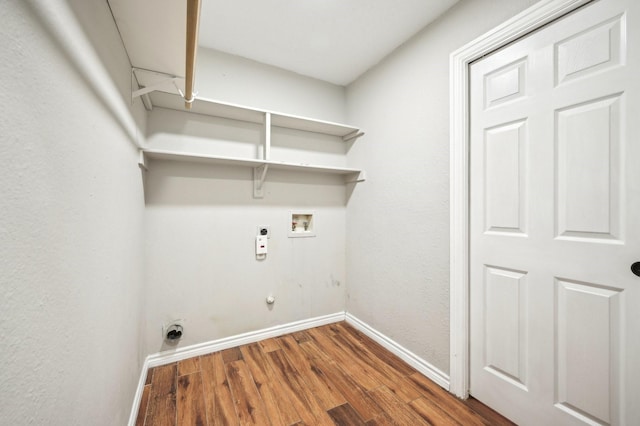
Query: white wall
x=71 y=214
x=73 y=227
x=201 y=265
x=201 y=220
x=398 y=222
x=238 y=80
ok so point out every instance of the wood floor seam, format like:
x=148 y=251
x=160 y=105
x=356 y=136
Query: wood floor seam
x=328 y=375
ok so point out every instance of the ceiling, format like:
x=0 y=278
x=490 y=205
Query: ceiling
x=331 y=40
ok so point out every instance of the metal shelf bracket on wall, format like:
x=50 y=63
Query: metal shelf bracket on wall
x=142 y=161
x=154 y=87
x=148 y=81
x=359 y=177
x=260 y=172
x=352 y=136
x=259 y=176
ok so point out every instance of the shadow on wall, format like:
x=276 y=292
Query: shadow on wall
x=85 y=59
x=182 y=183
x=184 y=131
x=194 y=183
x=170 y=129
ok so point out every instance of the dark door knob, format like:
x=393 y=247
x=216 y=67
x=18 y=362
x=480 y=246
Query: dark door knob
x=635 y=268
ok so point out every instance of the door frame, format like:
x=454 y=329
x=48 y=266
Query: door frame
x=519 y=26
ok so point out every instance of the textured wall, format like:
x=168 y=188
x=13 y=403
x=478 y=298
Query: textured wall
x=238 y=80
x=201 y=220
x=71 y=215
x=76 y=317
x=398 y=222
x=201 y=265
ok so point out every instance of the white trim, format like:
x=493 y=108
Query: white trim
x=138 y=396
x=167 y=357
x=531 y=19
x=179 y=354
x=425 y=368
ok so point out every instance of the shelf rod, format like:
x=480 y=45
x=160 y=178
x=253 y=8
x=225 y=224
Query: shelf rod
x=193 y=21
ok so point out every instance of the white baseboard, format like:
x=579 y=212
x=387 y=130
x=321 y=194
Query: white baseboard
x=138 y=396
x=179 y=354
x=428 y=370
x=167 y=357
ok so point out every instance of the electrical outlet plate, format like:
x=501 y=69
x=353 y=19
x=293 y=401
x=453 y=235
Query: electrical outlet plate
x=264 y=228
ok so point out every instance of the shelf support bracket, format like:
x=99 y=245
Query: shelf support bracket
x=259 y=175
x=152 y=88
x=142 y=161
x=352 y=136
x=356 y=177
x=163 y=83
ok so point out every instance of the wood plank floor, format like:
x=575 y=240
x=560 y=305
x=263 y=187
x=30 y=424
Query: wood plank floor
x=330 y=375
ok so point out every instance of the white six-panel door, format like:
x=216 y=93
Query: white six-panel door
x=555 y=221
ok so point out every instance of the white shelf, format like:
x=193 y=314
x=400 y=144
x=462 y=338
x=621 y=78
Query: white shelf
x=268 y=119
x=253 y=115
x=245 y=162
